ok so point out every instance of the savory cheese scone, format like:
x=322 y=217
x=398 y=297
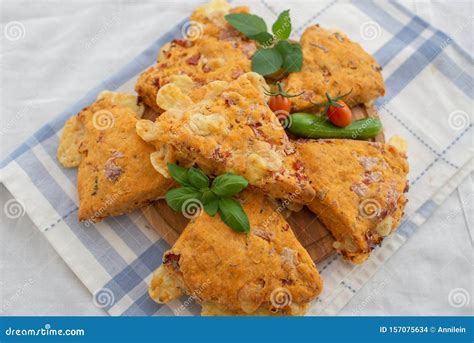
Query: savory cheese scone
x=115 y=173
x=71 y=137
x=359 y=188
x=265 y=272
x=204 y=60
x=231 y=130
x=73 y=131
x=333 y=63
x=208 y=20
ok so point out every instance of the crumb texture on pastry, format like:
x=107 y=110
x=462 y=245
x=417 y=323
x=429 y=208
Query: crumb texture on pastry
x=115 y=173
x=123 y=100
x=359 y=191
x=163 y=286
x=73 y=131
x=230 y=130
x=71 y=137
x=333 y=63
x=203 y=60
x=265 y=272
x=208 y=20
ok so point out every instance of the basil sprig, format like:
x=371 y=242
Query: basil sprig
x=214 y=199
x=276 y=52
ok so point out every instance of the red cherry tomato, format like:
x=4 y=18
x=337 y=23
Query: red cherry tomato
x=340 y=116
x=280 y=105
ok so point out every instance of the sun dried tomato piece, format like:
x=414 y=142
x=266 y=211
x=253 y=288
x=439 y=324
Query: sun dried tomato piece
x=236 y=73
x=265 y=235
x=172 y=259
x=194 y=60
x=298 y=165
x=156 y=82
x=219 y=155
x=180 y=42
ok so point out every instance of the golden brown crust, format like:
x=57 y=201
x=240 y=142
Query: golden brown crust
x=115 y=174
x=164 y=286
x=359 y=191
x=210 y=16
x=73 y=131
x=71 y=138
x=121 y=99
x=233 y=273
x=233 y=130
x=204 y=60
x=147 y=87
x=333 y=63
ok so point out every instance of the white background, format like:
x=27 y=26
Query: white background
x=70 y=46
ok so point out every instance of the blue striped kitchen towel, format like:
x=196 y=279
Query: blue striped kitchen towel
x=115 y=258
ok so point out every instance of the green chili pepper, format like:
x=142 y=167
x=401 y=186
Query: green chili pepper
x=311 y=126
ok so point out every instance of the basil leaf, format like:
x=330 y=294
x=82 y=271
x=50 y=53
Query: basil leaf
x=249 y=24
x=292 y=55
x=178 y=173
x=233 y=215
x=208 y=196
x=211 y=202
x=212 y=207
x=266 y=61
x=228 y=184
x=197 y=178
x=176 y=197
x=264 y=38
x=282 y=26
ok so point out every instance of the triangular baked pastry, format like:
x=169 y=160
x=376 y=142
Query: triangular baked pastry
x=265 y=272
x=359 y=188
x=230 y=130
x=115 y=173
x=333 y=63
x=201 y=61
x=208 y=20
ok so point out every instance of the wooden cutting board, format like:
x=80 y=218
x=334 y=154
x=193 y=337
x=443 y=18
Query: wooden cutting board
x=310 y=232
